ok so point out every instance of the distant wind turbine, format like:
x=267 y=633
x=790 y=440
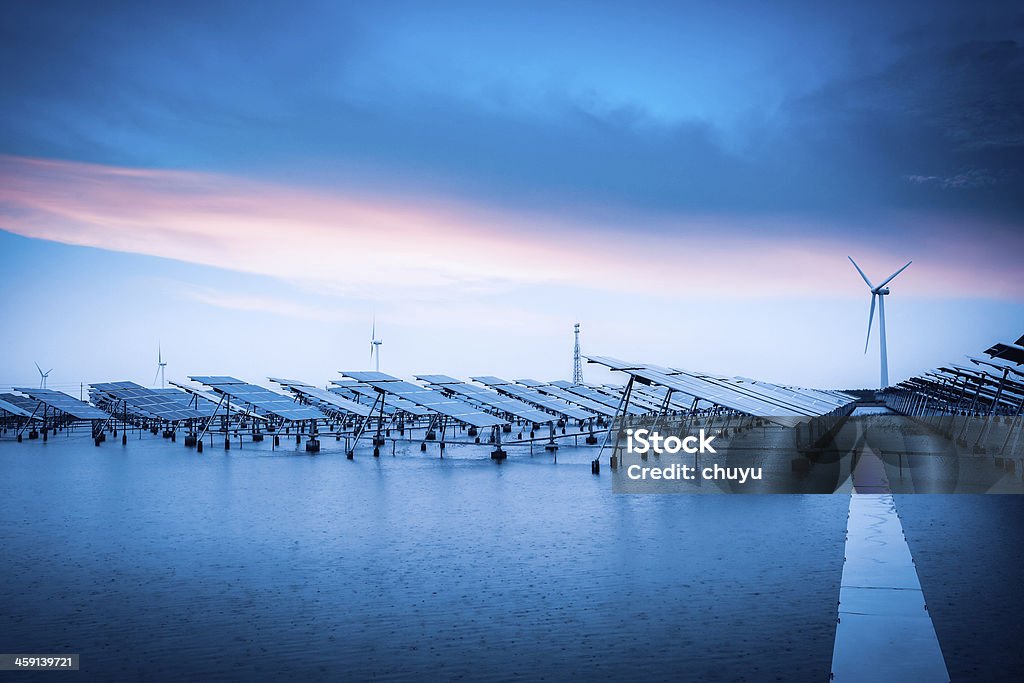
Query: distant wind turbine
x=375 y=344
x=160 y=365
x=881 y=291
x=43 y=376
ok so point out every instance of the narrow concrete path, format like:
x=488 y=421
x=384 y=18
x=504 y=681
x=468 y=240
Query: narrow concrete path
x=884 y=632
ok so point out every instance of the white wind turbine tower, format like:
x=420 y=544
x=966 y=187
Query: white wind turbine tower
x=160 y=365
x=375 y=344
x=43 y=376
x=879 y=292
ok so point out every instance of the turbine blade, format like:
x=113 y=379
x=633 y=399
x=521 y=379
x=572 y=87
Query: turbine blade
x=47 y=373
x=156 y=376
x=889 y=279
x=871 y=319
x=38 y=368
x=866 y=280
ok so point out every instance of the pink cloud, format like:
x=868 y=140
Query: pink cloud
x=345 y=241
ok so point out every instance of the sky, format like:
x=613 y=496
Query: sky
x=250 y=185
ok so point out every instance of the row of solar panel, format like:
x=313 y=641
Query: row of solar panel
x=786 y=406
x=42 y=400
x=161 y=404
x=527 y=400
x=996 y=382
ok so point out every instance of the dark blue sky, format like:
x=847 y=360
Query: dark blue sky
x=685 y=179
x=814 y=108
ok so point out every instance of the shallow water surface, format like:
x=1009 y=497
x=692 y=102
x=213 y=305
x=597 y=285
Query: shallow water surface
x=152 y=560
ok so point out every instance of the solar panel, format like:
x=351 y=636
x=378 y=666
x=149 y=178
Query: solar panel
x=597 y=397
x=348 y=394
x=487 y=398
x=730 y=394
x=642 y=401
x=837 y=398
x=260 y=398
x=615 y=393
x=533 y=397
x=210 y=380
x=207 y=401
x=556 y=392
x=986 y=382
x=368 y=377
x=799 y=399
x=705 y=388
x=64 y=403
x=439 y=379
x=396 y=403
x=331 y=402
x=991 y=385
x=23 y=402
x=163 y=404
x=454 y=408
x=657 y=394
x=421 y=396
x=709 y=389
x=982 y=374
x=1000 y=364
x=9 y=407
x=1011 y=352
x=106 y=396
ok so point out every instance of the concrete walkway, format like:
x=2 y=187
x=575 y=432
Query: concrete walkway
x=885 y=632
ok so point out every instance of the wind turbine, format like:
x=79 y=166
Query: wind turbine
x=375 y=344
x=160 y=365
x=43 y=376
x=879 y=292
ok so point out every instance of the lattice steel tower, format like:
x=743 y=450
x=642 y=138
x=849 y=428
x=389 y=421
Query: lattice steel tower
x=577 y=365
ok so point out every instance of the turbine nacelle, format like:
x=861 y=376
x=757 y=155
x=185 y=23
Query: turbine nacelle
x=881 y=291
